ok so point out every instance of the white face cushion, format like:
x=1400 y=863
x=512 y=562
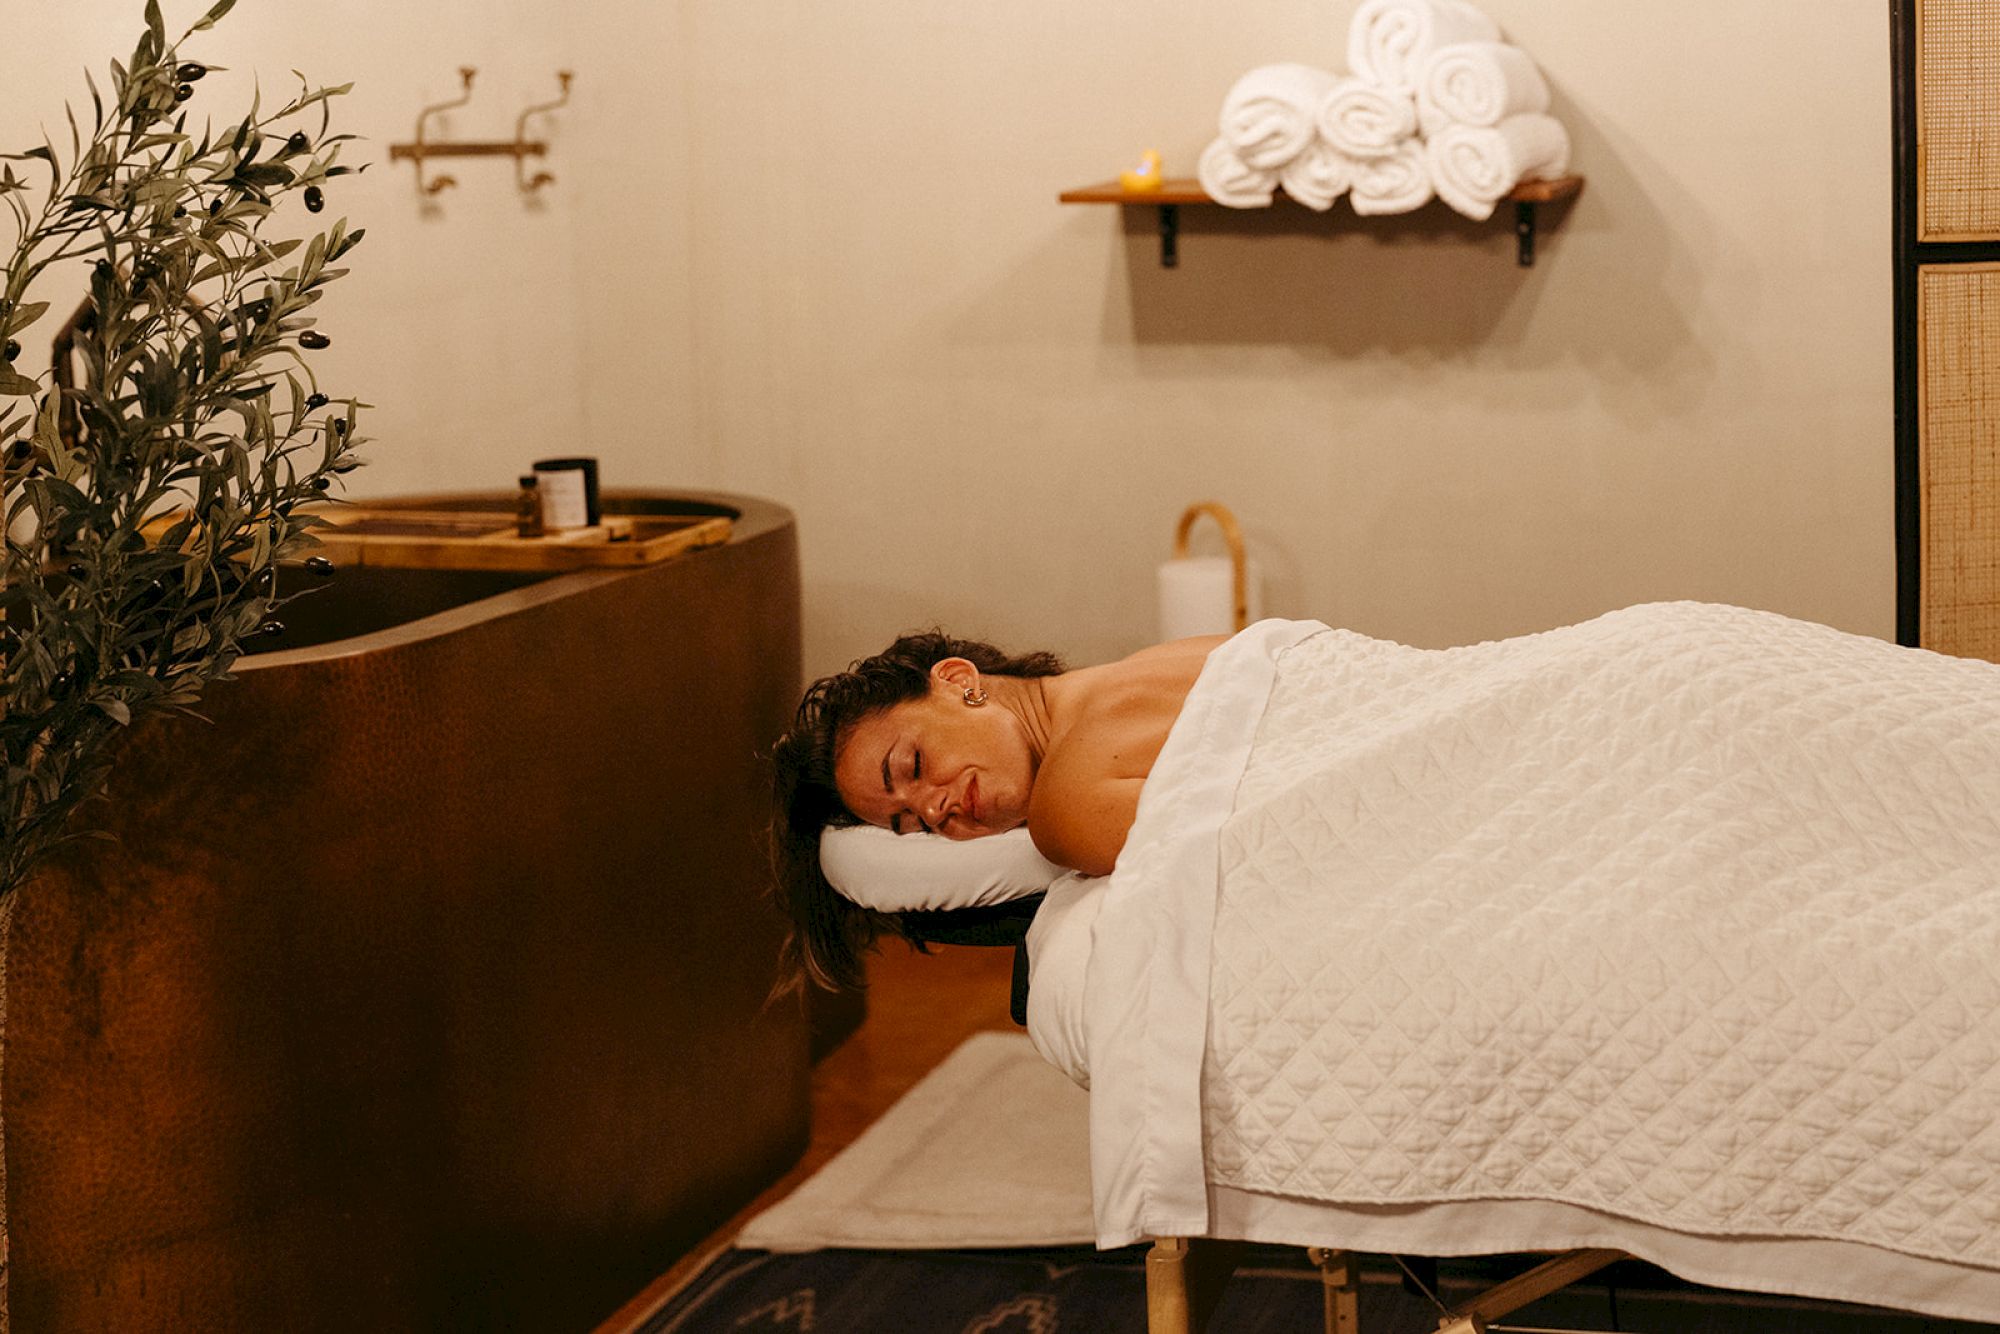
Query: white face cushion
x=926 y=872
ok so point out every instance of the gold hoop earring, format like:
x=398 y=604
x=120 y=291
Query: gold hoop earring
x=974 y=697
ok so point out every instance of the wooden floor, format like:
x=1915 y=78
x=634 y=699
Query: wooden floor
x=920 y=1007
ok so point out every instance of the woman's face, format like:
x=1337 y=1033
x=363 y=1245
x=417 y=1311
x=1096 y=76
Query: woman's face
x=934 y=763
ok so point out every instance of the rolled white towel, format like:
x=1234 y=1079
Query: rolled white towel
x=1268 y=116
x=1228 y=180
x=1474 y=166
x=1318 y=175
x=1430 y=120
x=1479 y=83
x=1389 y=40
x=1398 y=183
x=1365 y=119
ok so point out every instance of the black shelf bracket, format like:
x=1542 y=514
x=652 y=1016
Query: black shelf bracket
x=1524 y=234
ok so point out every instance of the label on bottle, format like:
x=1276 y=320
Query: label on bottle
x=564 y=504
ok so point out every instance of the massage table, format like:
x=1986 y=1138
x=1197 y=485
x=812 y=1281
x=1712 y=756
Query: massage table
x=1185 y=1276
x=1674 y=935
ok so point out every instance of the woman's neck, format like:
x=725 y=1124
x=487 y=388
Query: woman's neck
x=1028 y=699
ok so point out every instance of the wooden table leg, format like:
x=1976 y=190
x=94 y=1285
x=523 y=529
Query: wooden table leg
x=1474 y=1316
x=1184 y=1281
x=1167 y=1287
x=1341 y=1282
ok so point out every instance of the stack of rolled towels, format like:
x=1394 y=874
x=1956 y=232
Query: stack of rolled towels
x=1435 y=103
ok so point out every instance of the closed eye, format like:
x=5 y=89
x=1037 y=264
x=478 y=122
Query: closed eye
x=917 y=773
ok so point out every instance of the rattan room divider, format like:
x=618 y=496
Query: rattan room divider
x=1947 y=228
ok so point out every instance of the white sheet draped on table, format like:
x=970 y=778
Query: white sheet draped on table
x=1688 y=915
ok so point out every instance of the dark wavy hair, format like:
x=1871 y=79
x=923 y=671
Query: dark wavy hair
x=830 y=933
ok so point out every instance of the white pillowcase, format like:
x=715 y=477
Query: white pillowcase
x=925 y=872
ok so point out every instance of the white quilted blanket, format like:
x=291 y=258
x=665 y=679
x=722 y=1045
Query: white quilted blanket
x=1688 y=914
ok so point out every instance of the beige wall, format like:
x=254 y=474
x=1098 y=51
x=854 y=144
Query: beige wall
x=460 y=319
x=812 y=251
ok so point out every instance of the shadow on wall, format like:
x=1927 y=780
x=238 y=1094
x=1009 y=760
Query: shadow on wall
x=1334 y=281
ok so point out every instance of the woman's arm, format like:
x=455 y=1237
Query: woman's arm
x=1086 y=792
x=1081 y=821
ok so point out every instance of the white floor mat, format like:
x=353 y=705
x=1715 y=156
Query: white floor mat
x=992 y=1148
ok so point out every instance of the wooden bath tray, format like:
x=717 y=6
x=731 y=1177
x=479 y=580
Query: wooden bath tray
x=485 y=540
x=470 y=540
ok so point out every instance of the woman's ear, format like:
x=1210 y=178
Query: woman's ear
x=956 y=674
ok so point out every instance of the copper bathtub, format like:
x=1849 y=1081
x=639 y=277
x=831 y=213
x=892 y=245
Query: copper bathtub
x=426 y=987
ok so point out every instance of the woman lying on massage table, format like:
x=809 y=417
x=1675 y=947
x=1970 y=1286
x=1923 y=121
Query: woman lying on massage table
x=955 y=737
x=1675 y=932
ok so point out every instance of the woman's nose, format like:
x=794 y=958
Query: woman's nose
x=934 y=806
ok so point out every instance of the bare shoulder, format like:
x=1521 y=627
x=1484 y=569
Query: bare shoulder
x=1146 y=689
x=1117 y=718
x=1182 y=650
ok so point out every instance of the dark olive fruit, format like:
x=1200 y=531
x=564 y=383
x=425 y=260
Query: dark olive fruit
x=339 y=425
x=12 y=350
x=79 y=571
x=315 y=201
x=298 y=143
x=184 y=92
x=319 y=565
x=259 y=310
x=190 y=72
x=322 y=483
x=103 y=268
x=179 y=211
x=315 y=402
x=313 y=339
x=214 y=206
x=274 y=626
x=21 y=450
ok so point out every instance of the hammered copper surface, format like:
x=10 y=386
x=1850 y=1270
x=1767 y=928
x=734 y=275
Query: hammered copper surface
x=426 y=988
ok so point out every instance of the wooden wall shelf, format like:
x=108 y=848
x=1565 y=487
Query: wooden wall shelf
x=1175 y=192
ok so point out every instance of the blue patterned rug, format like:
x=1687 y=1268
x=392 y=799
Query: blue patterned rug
x=1076 y=1290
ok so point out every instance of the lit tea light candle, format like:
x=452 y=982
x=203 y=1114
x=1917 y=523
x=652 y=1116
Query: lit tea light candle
x=1145 y=178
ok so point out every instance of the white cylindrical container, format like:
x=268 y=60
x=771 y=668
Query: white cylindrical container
x=565 y=497
x=1198 y=596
